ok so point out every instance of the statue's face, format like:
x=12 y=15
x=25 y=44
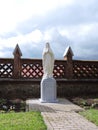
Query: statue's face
x=47 y=45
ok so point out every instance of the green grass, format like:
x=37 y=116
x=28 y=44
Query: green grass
x=22 y=121
x=91 y=114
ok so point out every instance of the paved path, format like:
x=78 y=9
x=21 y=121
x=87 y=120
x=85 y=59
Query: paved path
x=61 y=116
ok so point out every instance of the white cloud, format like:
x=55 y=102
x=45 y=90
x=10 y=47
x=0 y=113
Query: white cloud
x=33 y=37
x=31 y=23
x=12 y=12
x=76 y=32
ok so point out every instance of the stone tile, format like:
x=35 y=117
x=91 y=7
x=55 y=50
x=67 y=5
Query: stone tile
x=61 y=115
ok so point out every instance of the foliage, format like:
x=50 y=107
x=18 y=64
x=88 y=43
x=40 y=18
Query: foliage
x=22 y=121
x=91 y=114
x=86 y=103
x=12 y=105
x=90 y=104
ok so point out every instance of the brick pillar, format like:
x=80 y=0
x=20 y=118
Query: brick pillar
x=17 y=62
x=69 y=64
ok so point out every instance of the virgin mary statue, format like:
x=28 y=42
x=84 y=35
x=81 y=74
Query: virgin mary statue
x=48 y=61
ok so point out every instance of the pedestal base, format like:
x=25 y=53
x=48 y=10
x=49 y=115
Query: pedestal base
x=48 y=101
x=48 y=90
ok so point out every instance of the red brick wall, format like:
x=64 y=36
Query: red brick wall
x=31 y=88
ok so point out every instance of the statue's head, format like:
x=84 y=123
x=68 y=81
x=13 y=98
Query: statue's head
x=47 y=45
x=48 y=50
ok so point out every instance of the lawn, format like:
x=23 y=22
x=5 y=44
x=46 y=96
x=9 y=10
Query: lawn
x=22 y=121
x=90 y=104
x=91 y=114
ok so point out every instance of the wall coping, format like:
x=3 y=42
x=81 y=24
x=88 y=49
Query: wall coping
x=39 y=80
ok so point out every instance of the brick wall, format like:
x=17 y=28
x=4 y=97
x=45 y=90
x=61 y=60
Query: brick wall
x=20 y=77
x=31 y=88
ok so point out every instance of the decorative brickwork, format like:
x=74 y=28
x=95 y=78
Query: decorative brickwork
x=85 y=69
x=6 y=68
x=59 y=69
x=31 y=69
x=20 y=78
x=19 y=68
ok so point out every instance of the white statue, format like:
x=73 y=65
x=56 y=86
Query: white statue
x=48 y=83
x=48 y=61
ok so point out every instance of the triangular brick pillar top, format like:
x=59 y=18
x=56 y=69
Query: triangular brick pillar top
x=17 y=62
x=17 y=51
x=68 y=54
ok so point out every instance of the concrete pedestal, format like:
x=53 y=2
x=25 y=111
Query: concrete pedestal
x=48 y=90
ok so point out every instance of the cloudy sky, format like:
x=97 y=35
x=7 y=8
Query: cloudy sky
x=62 y=23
